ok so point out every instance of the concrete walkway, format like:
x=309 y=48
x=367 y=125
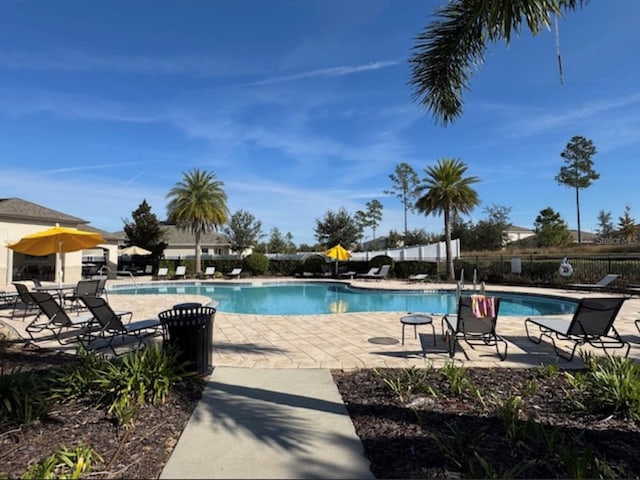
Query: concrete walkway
x=269 y=423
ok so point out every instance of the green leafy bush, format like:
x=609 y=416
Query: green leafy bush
x=258 y=263
x=65 y=463
x=610 y=386
x=23 y=397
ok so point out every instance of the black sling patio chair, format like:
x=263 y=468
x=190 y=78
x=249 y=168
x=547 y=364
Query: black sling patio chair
x=592 y=323
x=24 y=300
x=474 y=330
x=109 y=325
x=56 y=320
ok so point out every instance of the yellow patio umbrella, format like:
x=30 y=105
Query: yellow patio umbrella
x=338 y=253
x=56 y=240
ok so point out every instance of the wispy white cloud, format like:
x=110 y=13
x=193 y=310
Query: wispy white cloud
x=327 y=72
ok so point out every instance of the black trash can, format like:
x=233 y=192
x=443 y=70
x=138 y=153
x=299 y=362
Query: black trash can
x=189 y=328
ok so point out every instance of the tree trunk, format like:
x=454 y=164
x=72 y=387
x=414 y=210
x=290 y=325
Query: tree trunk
x=198 y=254
x=578 y=211
x=447 y=238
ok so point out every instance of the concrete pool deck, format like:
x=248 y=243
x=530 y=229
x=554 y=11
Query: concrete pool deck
x=352 y=340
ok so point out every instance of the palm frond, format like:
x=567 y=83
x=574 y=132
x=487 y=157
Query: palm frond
x=451 y=48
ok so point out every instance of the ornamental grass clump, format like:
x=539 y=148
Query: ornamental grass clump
x=608 y=386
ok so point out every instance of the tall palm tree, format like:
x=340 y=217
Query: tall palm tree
x=448 y=193
x=198 y=204
x=450 y=48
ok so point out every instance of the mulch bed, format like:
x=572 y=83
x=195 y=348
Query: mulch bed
x=451 y=435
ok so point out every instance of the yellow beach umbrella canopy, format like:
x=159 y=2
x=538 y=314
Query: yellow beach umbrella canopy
x=56 y=240
x=338 y=253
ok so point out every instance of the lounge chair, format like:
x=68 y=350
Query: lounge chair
x=372 y=271
x=475 y=330
x=148 y=270
x=381 y=274
x=420 y=277
x=235 y=273
x=592 y=323
x=110 y=324
x=163 y=272
x=209 y=272
x=24 y=299
x=181 y=272
x=84 y=287
x=599 y=285
x=57 y=318
x=350 y=274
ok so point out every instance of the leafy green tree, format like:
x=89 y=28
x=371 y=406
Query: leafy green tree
x=198 y=204
x=450 y=48
x=405 y=183
x=578 y=173
x=394 y=239
x=491 y=232
x=144 y=230
x=360 y=217
x=551 y=230
x=448 y=192
x=276 y=243
x=370 y=218
x=336 y=227
x=243 y=231
x=291 y=246
x=627 y=224
x=605 y=224
x=418 y=236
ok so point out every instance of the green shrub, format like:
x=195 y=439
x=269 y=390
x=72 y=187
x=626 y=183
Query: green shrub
x=313 y=263
x=65 y=463
x=140 y=376
x=23 y=397
x=381 y=260
x=610 y=386
x=257 y=263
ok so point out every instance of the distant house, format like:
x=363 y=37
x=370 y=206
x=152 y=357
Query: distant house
x=19 y=218
x=181 y=243
x=515 y=233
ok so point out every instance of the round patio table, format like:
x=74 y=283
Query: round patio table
x=415 y=320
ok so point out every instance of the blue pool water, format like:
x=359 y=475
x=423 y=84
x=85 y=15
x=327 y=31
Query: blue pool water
x=320 y=298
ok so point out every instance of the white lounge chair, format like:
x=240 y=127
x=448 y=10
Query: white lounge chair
x=600 y=284
x=163 y=272
x=181 y=272
x=235 y=273
x=209 y=272
x=381 y=274
x=419 y=277
x=372 y=271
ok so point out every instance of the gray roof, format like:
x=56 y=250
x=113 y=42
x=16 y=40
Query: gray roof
x=18 y=209
x=515 y=228
x=115 y=236
x=174 y=236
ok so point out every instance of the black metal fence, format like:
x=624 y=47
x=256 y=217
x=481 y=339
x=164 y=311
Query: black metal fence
x=545 y=269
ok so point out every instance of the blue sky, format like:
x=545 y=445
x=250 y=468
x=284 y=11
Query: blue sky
x=301 y=107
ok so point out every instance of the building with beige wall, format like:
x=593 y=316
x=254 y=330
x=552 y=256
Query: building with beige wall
x=19 y=218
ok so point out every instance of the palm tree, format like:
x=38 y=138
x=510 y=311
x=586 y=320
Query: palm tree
x=450 y=48
x=448 y=193
x=198 y=204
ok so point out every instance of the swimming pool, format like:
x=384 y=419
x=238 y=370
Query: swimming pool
x=322 y=298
